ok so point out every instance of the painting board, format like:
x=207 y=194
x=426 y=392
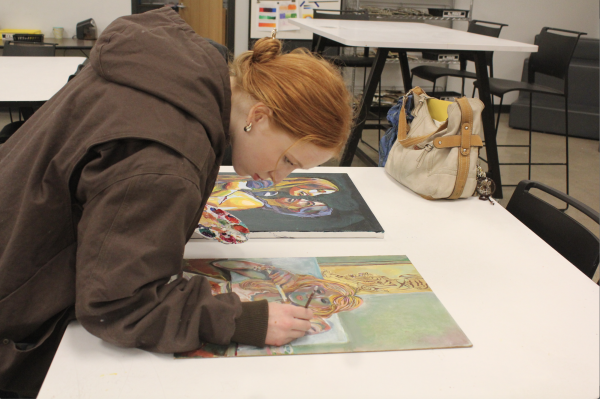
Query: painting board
x=363 y=304
x=309 y=205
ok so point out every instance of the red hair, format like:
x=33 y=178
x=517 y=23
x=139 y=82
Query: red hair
x=307 y=94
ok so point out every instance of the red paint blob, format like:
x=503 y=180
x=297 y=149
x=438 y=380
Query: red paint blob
x=228 y=238
x=232 y=219
x=241 y=229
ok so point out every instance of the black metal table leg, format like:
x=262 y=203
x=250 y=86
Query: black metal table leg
x=487 y=118
x=405 y=69
x=365 y=105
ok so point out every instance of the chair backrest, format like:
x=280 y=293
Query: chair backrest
x=567 y=236
x=16 y=49
x=79 y=68
x=352 y=15
x=554 y=53
x=319 y=42
x=486 y=28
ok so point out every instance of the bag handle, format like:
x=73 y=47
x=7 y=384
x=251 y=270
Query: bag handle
x=403 y=126
x=406 y=143
x=464 y=159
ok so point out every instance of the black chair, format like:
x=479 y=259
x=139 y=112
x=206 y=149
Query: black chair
x=567 y=236
x=553 y=58
x=9 y=130
x=24 y=49
x=78 y=70
x=433 y=73
x=320 y=43
x=324 y=46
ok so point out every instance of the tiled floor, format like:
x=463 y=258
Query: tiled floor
x=584 y=164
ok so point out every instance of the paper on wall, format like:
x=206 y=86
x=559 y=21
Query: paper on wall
x=267 y=15
x=306 y=9
x=276 y=15
x=287 y=10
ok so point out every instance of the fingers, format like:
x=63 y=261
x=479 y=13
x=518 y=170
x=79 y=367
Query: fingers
x=295 y=334
x=301 y=325
x=299 y=312
x=286 y=323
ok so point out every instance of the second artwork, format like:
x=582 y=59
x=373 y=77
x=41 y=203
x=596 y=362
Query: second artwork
x=301 y=206
x=360 y=303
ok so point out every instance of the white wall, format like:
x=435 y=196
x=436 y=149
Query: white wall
x=525 y=18
x=242 y=23
x=46 y=14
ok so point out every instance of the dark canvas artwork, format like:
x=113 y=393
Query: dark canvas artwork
x=301 y=206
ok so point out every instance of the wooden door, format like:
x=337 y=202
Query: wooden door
x=206 y=17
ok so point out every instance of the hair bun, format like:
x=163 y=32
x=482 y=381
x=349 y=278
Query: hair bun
x=265 y=50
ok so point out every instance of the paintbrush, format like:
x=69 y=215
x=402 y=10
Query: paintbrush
x=283 y=297
x=310 y=297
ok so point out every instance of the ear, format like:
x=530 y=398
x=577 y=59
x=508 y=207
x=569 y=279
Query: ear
x=259 y=112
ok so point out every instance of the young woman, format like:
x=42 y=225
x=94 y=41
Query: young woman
x=103 y=186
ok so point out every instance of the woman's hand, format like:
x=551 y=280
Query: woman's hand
x=286 y=323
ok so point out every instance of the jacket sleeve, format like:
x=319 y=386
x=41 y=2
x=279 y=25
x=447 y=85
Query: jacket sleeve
x=138 y=205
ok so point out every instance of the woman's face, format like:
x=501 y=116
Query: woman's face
x=319 y=300
x=297 y=202
x=301 y=191
x=268 y=152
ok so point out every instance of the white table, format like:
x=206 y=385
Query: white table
x=401 y=37
x=532 y=318
x=407 y=35
x=30 y=81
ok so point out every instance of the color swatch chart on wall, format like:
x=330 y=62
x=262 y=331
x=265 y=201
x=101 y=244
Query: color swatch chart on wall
x=268 y=15
x=276 y=15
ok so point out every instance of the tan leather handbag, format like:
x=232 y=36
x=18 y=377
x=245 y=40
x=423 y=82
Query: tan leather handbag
x=438 y=159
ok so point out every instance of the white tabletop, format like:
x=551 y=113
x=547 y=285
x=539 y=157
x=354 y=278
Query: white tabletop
x=35 y=78
x=406 y=35
x=532 y=317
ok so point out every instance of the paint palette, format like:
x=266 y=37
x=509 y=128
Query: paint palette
x=222 y=226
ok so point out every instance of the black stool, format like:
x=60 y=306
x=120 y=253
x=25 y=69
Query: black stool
x=433 y=73
x=553 y=58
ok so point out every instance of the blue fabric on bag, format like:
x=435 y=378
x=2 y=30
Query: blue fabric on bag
x=390 y=136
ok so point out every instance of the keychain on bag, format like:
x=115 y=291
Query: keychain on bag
x=485 y=186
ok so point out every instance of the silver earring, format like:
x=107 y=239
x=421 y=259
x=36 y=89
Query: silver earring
x=248 y=127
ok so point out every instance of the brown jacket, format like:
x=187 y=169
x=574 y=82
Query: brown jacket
x=99 y=192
